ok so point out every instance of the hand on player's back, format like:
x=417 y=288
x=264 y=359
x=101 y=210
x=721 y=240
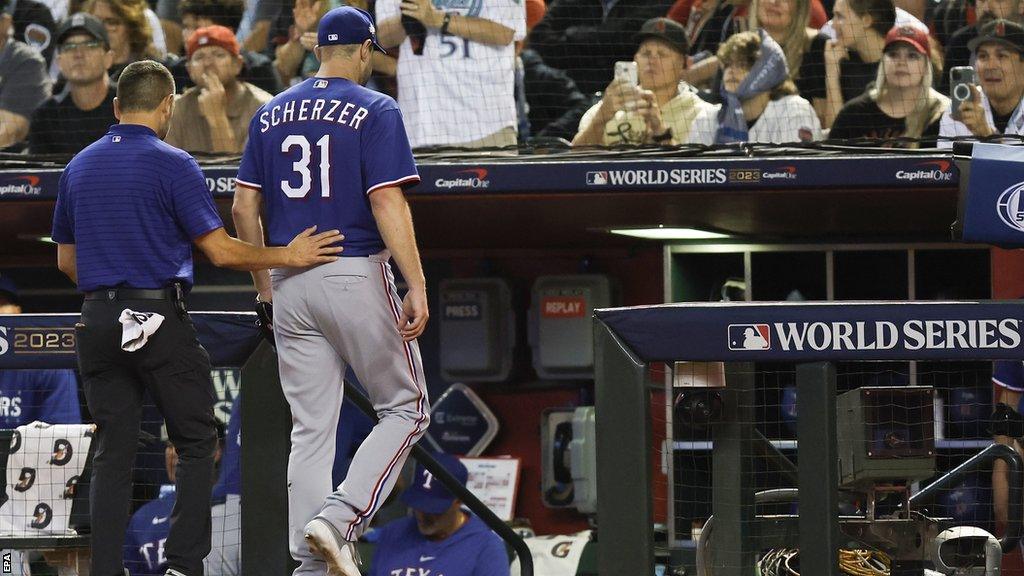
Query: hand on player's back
x=414 y=314
x=309 y=249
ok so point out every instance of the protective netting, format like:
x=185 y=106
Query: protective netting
x=47 y=429
x=900 y=426
x=497 y=73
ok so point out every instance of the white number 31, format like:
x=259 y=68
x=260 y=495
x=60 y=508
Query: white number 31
x=302 y=166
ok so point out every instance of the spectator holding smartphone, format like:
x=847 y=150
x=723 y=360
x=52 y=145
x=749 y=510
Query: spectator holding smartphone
x=658 y=111
x=957 y=51
x=994 y=107
x=902 y=102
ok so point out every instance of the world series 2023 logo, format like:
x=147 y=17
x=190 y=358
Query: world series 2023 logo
x=37 y=340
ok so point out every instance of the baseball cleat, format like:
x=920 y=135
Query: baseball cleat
x=327 y=544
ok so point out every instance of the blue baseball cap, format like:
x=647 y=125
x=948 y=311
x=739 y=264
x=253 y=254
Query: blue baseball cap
x=428 y=494
x=347 y=25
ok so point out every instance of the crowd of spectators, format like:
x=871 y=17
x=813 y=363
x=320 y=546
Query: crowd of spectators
x=496 y=73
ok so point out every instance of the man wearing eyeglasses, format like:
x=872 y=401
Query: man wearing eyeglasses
x=213 y=116
x=23 y=81
x=77 y=117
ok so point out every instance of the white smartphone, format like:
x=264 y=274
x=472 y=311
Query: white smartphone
x=627 y=71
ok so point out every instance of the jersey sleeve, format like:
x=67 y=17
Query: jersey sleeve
x=63 y=229
x=493 y=558
x=386 y=156
x=192 y=202
x=510 y=13
x=387 y=9
x=250 y=170
x=59 y=389
x=808 y=127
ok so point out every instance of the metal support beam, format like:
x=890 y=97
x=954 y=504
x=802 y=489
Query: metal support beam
x=819 y=469
x=734 y=549
x=265 y=411
x=624 y=445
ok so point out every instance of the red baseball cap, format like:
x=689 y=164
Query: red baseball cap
x=212 y=36
x=535 y=10
x=912 y=35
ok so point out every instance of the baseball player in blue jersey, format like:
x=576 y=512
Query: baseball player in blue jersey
x=330 y=150
x=440 y=539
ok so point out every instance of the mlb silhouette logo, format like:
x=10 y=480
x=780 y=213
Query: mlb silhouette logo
x=320 y=84
x=115 y=139
x=597 y=178
x=750 y=337
x=332 y=37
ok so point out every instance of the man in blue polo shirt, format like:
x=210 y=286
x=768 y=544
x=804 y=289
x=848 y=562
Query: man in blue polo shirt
x=440 y=538
x=128 y=209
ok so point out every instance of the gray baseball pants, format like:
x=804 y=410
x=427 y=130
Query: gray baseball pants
x=327 y=318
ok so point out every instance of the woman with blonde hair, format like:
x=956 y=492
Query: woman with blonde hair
x=902 y=103
x=129 y=30
x=787 y=22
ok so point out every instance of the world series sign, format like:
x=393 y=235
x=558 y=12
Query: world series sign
x=826 y=331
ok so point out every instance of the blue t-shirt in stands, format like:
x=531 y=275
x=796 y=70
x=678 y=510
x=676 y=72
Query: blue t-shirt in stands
x=132 y=205
x=317 y=151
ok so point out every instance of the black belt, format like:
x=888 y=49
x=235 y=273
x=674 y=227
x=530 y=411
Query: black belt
x=132 y=294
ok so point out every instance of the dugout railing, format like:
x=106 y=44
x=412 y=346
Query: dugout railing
x=629 y=342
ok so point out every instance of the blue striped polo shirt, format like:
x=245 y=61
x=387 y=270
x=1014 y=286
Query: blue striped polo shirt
x=132 y=205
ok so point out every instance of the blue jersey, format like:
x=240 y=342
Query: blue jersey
x=49 y=396
x=132 y=205
x=474 y=550
x=317 y=151
x=147 y=532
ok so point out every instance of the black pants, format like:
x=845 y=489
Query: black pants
x=176 y=371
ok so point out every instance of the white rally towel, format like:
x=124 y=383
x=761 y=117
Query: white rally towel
x=555 y=555
x=42 y=476
x=137 y=327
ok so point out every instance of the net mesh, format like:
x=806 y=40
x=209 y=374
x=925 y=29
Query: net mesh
x=46 y=425
x=474 y=74
x=905 y=420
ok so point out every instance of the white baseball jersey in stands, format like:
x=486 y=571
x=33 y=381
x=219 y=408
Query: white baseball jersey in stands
x=788 y=119
x=457 y=90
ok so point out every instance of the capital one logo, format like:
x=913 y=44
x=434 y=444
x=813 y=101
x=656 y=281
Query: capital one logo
x=1009 y=207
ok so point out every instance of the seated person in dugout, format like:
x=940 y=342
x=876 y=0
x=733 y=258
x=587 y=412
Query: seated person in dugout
x=662 y=109
x=902 y=102
x=760 y=102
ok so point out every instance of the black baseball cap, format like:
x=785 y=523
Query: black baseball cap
x=668 y=31
x=1005 y=32
x=82 y=22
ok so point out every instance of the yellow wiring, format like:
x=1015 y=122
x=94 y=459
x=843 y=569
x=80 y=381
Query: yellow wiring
x=779 y=562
